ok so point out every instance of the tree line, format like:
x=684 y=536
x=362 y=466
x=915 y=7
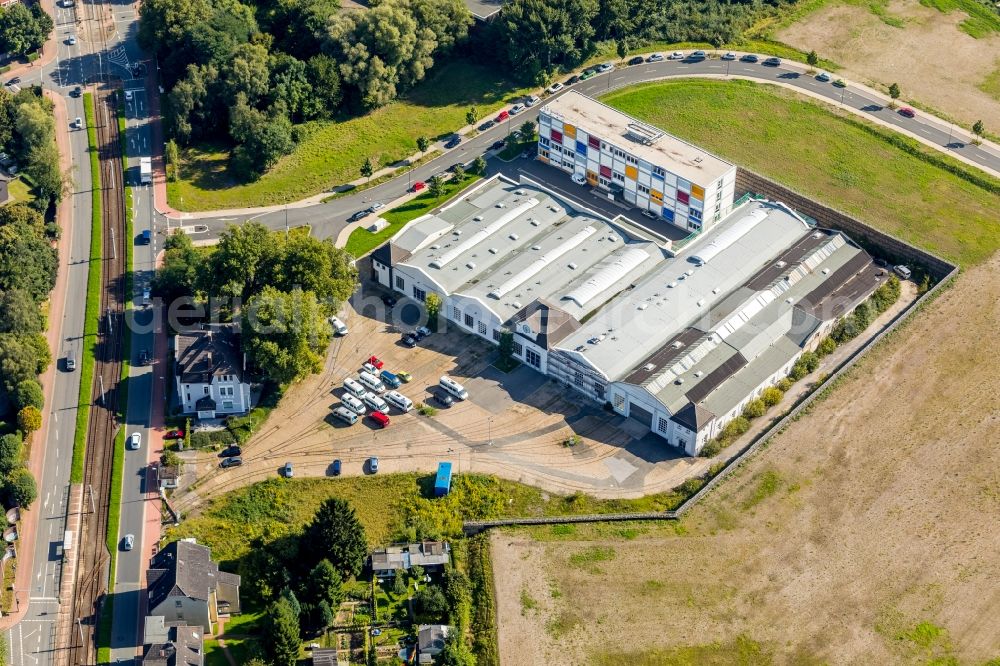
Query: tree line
x=255 y=72
x=28 y=134
x=23 y=28
x=281 y=288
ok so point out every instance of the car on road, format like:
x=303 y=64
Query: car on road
x=677 y=55
x=554 y=88
x=409 y=340
x=336 y=467
x=772 y=62
x=77 y=91
x=379 y=418
x=442 y=398
x=453 y=141
x=128 y=95
x=579 y=179
x=128 y=543
x=638 y=60
x=373 y=464
x=65 y=3
x=698 y=55
x=404 y=376
x=729 y=56
x=287 y=471
x=655 y=57
x=77 y=122
x=417 y=186
x=749 y=57
x=14 y=81
x=497 y=145
x=422 y=332
x=176 y=434
x=588 y=73
x=230 y=451
x=516 y=109
x=488 y=124
x=339 y=327
x=648 y=213
x=359 y=215
x=502 y=116
x=907 y=112
x=134 y=441
x=605 y=67
x=532 y=100
x=231 y=462
x=146 y=237
x=823 y=76
x=376 y=361
x=573 y=79
x=839 y=83
x=72 y=40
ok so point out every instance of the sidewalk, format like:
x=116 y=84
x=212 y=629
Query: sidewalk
x=36 y=463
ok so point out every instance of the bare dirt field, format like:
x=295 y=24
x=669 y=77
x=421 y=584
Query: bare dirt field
x=933 y=61
x=866 y=533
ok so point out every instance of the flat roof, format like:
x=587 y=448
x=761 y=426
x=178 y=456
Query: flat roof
x=665 y=150
x=483 y=9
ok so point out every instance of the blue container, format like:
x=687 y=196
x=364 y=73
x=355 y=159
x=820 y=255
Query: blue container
x=442 y=483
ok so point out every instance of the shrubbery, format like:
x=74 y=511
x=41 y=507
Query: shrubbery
x=826 y=347
x=772 y=396
x=754 y=409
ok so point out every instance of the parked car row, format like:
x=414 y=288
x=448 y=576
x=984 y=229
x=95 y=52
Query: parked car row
x=372 y=394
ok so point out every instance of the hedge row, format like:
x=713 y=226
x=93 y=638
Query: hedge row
x=484 y=618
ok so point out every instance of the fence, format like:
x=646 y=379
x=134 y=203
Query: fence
x=884 y=244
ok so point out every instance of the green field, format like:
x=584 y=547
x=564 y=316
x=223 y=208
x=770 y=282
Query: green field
x=835 y=159
x=20 y=191
x=331 y=153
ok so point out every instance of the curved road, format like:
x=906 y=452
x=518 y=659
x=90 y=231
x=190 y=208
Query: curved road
x=328 y=219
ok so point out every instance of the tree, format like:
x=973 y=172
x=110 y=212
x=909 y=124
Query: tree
x=292 y=600
x=423 y=143
x=367 y=169
x=399 y=583
x=978 y=129
x=479 y=165
x=243 y=260
x=318 y=266
x=772 y=396
x=29 y=393
x=10 y=452
x=29 y=419
x=506 y=345
x=622 y=48
x=458 y=172
x=284 y=333
x=19 y=313
x=527 y=130
x=323 y=584
x=458 y=592
x=894 y=93
x=23 y=28
x=324 y=615
x=430 y=603
x=281 y=633
x=435 y=185
x=322 y=73
x=455 y=652
x=336 y=530
x=812 y=58
x=471 y=116
x=173 y=157
x=27 y=259
x=182 y=269
x=537 y=36
x=18 y=361
x=432 y=303
x=263 y=138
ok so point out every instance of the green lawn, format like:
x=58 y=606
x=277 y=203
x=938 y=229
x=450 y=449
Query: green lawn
x=835 y=159
x=331 y=153
x=361 y=241
x=20 y=191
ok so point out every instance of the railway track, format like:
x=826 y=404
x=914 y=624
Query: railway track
x=94 y=558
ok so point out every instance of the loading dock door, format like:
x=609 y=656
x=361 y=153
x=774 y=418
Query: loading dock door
x=641 y=415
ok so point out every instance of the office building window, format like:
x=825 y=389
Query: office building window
x=419 y=294
x=533 y=358
x=482 y=328
x=659 y=171
x=619 y=402
x=518 y=348
x=496 y=335
x=469 y=321
x=399 y=283
x=543 y=141
x=456 y=314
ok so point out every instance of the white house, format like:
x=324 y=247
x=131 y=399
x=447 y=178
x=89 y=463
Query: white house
x=208 y=372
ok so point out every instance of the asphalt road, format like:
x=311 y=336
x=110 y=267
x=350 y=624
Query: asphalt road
x=328 y=219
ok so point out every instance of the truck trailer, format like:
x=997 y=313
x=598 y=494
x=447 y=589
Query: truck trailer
x=145 y=170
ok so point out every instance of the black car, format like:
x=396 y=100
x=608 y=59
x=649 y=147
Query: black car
x=231 y=451
x=336 y=467
x=443 y=398
x=638 y=60
x=454 y=166
x=77 y=91
x=389 y=301
x=749 y=58
x=409 y=340
x=488 y=124
x=14 y=81
x=772 y=62
x=357 y=216
x=231 y=462
x=573 y=79
x=453 y=141
x=497 y=145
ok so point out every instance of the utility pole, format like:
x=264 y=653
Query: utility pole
x=286 y=220
x=489 y=423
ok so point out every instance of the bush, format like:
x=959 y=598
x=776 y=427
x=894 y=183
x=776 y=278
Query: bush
x=826 y=347
x=691 y=486
x=201 y=440
x=784 y=384
x=772 y=396
x=736 y=427
x=754 y=409
x=21 y=488
x=29 y=392
x=29 y=419
x=713 y=447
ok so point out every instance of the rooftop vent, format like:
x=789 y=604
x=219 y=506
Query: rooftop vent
x=536 y=247
x=825 y=271
x=435 y=247
x=470 y=265
x=512 y=237
x=554 y=209
x=517 y=304
x=520 y=192
x=478 y=218
x=535 y=223
x=818 y=234
x=572 y=265
x=698 y=159
x=689 y=272
x=788 y=300
x=501 y=205
x=493 y=250
x=715 y=291
x=649 y=367
x=677 y=344
x=672 y=285
x=679 y=381
x=698 y=373
x=701 y=302
x=643 y=306
x=781 y=264
x=612 y=239
x=580 y=348
x=457 y=232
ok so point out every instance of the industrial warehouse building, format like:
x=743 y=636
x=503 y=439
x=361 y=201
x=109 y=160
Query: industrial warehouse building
x=678 y=342
x=635 y=163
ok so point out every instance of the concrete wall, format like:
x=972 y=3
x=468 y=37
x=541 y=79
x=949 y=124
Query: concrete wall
x=878 y=243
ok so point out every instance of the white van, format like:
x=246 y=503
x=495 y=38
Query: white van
x=345 y=415
x=369 y=381
x=454 y=388
x=399 y=401
x=375 y=403
x=339 y=327
x=354 y=404
x=354 y=388
x=70 y=360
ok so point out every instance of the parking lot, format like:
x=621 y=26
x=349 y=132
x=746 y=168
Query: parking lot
x=514 y=425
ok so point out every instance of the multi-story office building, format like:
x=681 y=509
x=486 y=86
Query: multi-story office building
x=636 y=163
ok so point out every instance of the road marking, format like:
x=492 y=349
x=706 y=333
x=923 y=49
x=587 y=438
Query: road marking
x=52 y=599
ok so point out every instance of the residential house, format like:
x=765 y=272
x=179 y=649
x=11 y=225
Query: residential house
x=178 y=645
x=324 y=657
x=430 y=641
x=208 y=371
x=430 y=555
x=166 y=476
x=186 y=586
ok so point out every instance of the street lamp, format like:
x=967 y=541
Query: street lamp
x=489 y=423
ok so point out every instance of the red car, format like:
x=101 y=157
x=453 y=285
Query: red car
x=174 y=434
x=374 y=360
x=417 y=186
x=503 y=116
x=907 y=111
x=378 y=417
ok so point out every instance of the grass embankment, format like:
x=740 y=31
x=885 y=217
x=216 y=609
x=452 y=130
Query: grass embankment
x=361 y=241
x=330 y=153
x=607 y=52
x=93 y=305
x=891 y=182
